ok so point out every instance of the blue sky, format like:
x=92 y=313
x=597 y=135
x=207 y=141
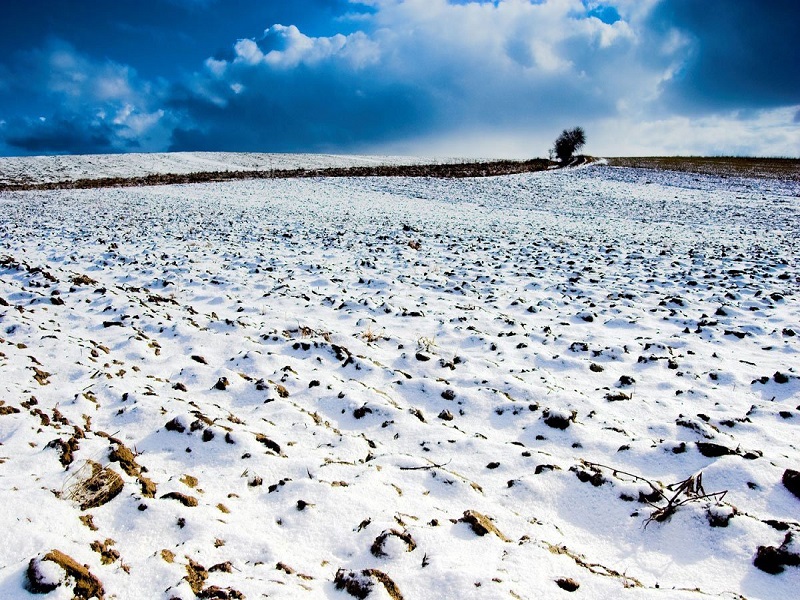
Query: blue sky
x=429 y=77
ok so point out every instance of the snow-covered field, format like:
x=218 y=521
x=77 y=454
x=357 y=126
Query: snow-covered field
x=48 y=169
x=273 y=388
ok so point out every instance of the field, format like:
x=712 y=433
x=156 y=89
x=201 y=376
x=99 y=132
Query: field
x=726 y=166
x=573 y=383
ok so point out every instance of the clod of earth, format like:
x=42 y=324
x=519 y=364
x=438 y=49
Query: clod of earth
x=791 y=481
x=107 y=554
x=780 y=377
x=127 y=460
x=184 y=499
x=40 y=376
x=97 y=487
x=196 y=575
x=86 y=585
x=262 y=439
x=557 y=420
x=711 y=450
x=360 y=584
x=481 y=524
x=594 y=477
x=772 y=560
x=361 y=412
x=568 y=584
x=66 y=449
x=7 y=410
x=214 y=592
x=377 y=546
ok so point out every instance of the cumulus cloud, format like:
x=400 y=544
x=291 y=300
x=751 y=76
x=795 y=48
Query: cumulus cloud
x=417 y=68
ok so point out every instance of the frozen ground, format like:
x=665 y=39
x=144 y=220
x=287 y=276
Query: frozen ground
x=280 y=379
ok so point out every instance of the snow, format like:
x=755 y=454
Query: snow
x=43 y=169
x=302 y=338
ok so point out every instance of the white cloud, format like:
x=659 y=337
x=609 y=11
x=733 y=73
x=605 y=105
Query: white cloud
x=768 y=132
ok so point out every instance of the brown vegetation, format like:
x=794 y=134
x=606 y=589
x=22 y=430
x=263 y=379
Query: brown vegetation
x=723 y=166
x=445 y=170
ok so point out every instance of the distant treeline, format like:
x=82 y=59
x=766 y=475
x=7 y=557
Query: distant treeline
x=443 y=170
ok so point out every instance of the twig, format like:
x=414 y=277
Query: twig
x=425 y=467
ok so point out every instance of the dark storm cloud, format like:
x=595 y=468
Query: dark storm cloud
x=740 y=54
x=60 y=134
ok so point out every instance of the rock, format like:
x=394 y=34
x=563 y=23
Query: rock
x=780 y=377
x=448 y=394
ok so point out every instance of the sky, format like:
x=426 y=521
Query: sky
x=466 y=78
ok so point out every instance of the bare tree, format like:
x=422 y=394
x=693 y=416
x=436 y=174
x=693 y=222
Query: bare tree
x=569 y=142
